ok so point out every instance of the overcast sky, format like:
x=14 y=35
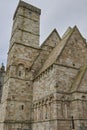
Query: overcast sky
x=57 y=14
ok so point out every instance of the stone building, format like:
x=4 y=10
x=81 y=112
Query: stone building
x=45 y=87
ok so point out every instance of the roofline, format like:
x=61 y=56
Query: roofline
x=54 y=30
x=27 y=6
x=59 y=53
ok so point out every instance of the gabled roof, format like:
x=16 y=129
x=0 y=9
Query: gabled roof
x=78 y=79
x=55 y=52
x=54 y=31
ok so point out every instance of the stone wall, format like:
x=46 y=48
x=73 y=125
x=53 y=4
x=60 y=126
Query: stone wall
x=74 y=53
x=18 y=56
x=44 y=84
x=65 y=76
x=55 y=78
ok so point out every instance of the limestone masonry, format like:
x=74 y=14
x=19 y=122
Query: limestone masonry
x=44 y=87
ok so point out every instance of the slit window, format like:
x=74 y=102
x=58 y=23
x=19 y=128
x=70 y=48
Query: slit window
x=19 y=74
x=22 y=107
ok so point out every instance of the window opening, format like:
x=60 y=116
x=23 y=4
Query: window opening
x=22 y=107
x=19 y=73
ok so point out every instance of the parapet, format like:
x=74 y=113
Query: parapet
x=27 y=6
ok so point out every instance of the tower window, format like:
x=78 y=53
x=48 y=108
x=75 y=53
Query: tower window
x=22 y=107
x=21 y=71
x=73 y=125
x=46 y=115
x=83 y=97
x=19 y=74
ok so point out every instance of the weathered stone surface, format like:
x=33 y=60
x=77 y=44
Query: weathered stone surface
x=75 y=52
x=45 y=87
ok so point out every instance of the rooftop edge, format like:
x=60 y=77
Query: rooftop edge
x=27 y=6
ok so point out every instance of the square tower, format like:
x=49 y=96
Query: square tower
x=16 y=103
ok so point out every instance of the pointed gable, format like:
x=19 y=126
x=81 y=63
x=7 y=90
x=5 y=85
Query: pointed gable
x=74 y=53
x=55 y=53
x=71 y=51
x=52 y=40
x=45 y=49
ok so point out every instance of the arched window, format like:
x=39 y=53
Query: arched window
x=21 y=71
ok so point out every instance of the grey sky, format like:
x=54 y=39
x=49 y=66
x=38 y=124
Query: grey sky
x=57 y=14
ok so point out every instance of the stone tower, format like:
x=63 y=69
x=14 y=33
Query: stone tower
x=23 y=49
